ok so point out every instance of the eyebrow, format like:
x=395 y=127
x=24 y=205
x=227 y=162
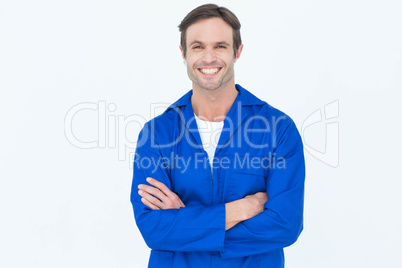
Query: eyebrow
x=217 y=43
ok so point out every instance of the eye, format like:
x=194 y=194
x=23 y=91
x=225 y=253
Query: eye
x=221 y=46
x=196 y=47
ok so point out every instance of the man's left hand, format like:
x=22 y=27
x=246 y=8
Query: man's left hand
x=158 y=197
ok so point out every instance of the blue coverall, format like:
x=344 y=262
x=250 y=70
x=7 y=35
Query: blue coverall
x=259 y=149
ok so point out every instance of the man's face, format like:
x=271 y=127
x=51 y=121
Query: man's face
x=210 y=54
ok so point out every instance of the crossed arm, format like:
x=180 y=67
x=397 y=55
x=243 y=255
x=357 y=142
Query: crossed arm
x=159 y=196
x=253 y=225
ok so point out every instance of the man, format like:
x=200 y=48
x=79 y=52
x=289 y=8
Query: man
x=219 y=176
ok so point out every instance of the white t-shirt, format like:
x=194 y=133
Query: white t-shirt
x=210 y=133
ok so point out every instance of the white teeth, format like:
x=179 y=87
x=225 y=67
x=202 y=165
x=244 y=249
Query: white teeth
x=209 y=71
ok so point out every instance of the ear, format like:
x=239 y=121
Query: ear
x=181 y=50
x=238 y=53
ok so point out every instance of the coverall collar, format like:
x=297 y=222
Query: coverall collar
x=232 y=121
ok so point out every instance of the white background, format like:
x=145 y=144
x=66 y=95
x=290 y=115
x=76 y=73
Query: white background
x=63 y=206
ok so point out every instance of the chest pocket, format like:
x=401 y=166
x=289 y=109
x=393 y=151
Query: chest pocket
x=245 y=181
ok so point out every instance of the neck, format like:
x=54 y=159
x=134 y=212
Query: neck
x=213 y=105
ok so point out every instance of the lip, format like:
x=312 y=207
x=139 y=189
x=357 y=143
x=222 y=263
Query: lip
x=219 y=69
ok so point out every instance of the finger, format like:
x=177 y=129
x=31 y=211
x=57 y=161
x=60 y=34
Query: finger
x=262 y=195
x=149 y=204
x=151 y=199
x=160 y=186
x=154 y=191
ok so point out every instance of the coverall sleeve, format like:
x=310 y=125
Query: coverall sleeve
x=281 y=222
x=195 y=228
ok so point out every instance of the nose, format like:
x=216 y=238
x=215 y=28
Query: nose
x=209 y=55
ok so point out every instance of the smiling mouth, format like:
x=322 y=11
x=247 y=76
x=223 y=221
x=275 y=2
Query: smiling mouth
x=209 y=71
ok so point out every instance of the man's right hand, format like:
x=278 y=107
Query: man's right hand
x=158 y=196
x=245 y=208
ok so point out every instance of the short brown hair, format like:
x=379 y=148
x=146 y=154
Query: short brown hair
x=210 y=11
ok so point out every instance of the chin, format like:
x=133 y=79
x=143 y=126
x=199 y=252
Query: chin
x=210 y=88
